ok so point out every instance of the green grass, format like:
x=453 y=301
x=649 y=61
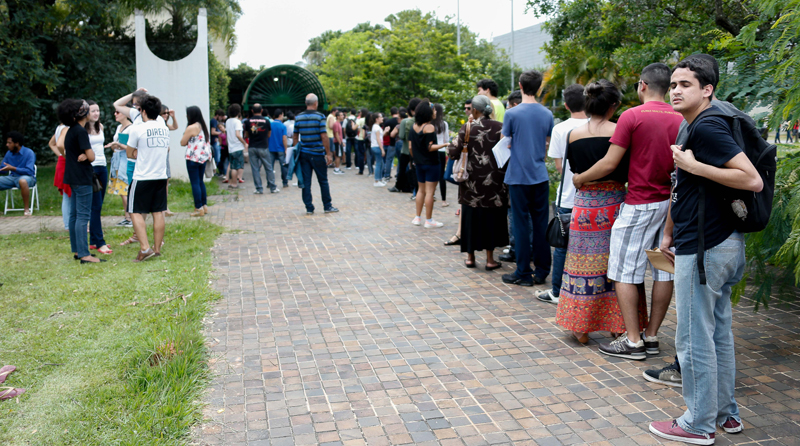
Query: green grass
x=785 y=149
x=180 y=195
x=100 y=370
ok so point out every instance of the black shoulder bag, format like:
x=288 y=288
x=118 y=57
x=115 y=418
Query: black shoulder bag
x=558 y=228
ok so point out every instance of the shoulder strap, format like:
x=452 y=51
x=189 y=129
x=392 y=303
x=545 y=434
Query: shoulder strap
x=563 y=170
x=466 y=136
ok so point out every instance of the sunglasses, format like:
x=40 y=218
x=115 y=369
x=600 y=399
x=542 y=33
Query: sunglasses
x=636 y=85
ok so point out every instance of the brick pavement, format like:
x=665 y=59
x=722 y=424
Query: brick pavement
x=358 y=328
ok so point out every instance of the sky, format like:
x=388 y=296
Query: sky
x=263 y=20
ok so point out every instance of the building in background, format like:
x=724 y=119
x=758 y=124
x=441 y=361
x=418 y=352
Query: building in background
x=528 y=46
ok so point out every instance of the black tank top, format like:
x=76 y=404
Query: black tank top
x=419 y=146
x=584 y=153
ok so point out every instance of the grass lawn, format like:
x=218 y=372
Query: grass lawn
x=106 y=357
x=180 y=195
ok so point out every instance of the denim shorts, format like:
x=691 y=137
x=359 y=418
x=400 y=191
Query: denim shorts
x=236 y=159
x=428 y=173
x=11 y=181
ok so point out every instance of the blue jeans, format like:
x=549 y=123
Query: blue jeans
x=318 y=165
x=79 y=213
x=196 y=173
x=65 y=207
x=380 y=160
x=95 y=224
x=217 y=151
x=704 y=338
x=559 y=259
x=388 y=161
x=270 y=168
x=530 y=201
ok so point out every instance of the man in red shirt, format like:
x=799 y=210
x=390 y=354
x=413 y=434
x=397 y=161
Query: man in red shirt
x=644 y=134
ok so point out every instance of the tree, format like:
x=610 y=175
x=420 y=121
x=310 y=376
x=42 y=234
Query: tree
x=240 y=78
x=218 y=82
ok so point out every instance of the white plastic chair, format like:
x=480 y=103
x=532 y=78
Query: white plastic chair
x=34 y=195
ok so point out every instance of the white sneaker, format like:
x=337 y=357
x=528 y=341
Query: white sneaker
x=379 y=184
x=416 y=221
x=433 y=224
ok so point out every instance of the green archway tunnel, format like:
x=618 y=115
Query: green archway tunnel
x=285 y=87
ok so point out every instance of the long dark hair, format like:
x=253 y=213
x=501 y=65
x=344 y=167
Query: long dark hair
x=88 y=125
x=193 y=115
x=438 y=121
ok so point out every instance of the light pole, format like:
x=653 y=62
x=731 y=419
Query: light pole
x=512 y=45
x=458 y=26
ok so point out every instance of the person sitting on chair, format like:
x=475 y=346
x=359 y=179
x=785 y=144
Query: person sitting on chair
x=18 y=164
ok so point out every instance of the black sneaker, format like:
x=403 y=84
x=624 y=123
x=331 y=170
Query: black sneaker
x=331 y=210
x=622 y=348
x=538 y=280
x=309 y=212
x=514 y=280
x=510 y=257
x=393 y=189
x=669 y=376
x=650 y=344
x=548 y=297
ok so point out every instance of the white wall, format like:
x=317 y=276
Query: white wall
x=179 y=84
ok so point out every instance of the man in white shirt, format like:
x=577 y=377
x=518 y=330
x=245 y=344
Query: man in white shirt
x=574 y=102
x=148 y=143
x=237 y=146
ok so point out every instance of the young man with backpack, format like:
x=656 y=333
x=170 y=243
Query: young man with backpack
x=709 y=249
x=350 y=133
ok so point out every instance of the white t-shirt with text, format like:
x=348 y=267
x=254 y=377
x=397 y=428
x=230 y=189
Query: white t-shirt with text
x=151 y=139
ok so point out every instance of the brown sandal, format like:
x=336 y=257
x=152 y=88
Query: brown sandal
x=5 y=371
x=6 y=393
x=132 y=239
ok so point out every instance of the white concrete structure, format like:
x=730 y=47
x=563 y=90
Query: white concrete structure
x=528 y=46
x=179 y=84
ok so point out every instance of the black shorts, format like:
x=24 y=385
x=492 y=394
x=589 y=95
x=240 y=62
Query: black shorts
x=147 y=196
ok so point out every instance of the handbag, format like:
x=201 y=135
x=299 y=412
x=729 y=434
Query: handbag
x=211 y=167
x=97 y=185
x=558 y=228
x=460 y=173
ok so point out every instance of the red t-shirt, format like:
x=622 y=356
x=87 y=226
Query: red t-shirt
x=647 y=132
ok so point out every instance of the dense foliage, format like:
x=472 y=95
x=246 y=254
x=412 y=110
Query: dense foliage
x=55 y=49
x=415 y=55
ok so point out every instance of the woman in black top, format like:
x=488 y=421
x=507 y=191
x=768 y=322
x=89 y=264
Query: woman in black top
x=78 y=173
x=587 y=301
x=424 y=149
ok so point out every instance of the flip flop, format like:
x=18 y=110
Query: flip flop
x=5 y=371
x=6 y=393
x=107 y=251
x=469 y=265
x=496 y=266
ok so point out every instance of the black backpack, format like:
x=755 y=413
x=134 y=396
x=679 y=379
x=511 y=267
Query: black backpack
x=746 y=210
x=350 y=130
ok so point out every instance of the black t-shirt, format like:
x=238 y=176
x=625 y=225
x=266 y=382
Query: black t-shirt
x=584 y=153
x=77 y=143
x=712 y=143
x=419 y=147
x=215 y=126
x=257 y=129
x=390 y=124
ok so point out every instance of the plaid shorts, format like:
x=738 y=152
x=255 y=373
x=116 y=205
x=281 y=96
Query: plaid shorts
x=638 y=227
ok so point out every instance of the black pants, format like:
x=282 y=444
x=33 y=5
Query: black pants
x=442 y=182
x=402 y=182
x=350 y=146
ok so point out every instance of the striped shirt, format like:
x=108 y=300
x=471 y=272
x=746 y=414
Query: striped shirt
x=310 y=125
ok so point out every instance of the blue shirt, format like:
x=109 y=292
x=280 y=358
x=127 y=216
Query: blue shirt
x=529 y=126
x=215 y=126
x=24 y=161
x=276 y=138
x=310 y=125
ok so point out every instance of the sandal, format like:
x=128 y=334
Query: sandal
x=582 y=339
x=105 y=250
x=6 y=393
x=452 y=242
x=445 y=204
x=492 y=268
x=225 y=180
x=469 y=265
x=132 y=239
x=458 y=212
x=5 y=371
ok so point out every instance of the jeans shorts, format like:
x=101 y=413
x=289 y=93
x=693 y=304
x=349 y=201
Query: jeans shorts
x=428 y=173
x=236 y=159
x=11 y=181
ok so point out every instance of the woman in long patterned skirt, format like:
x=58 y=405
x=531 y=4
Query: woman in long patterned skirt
x=588 y=301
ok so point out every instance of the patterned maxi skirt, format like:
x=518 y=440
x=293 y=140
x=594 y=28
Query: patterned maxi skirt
x=588 y=301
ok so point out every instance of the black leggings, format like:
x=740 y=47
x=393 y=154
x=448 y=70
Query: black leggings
x=442 y=182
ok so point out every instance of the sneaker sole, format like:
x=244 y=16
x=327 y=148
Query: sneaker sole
x=652 y=351
x=548 y=300
x=659 y=381
x=634 y=356
x=702 y=441
x=734 y=430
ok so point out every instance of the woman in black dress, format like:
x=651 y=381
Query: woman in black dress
x=484 y=195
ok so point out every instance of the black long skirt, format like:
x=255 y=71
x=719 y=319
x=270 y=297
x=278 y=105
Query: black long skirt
x=483 y=228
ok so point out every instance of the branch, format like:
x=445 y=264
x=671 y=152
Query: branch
x=722 y=21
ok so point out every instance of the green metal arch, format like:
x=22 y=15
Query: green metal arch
x=284 y=86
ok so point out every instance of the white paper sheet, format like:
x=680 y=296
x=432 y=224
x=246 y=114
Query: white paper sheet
x=289 y=153
x=502 y=152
